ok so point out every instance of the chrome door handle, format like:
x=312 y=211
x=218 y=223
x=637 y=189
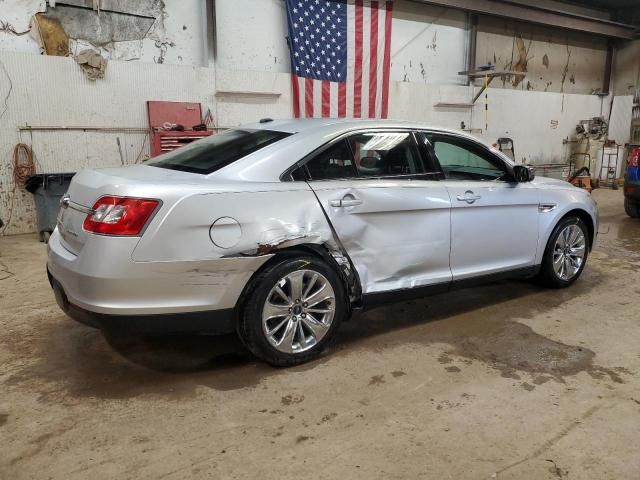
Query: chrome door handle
x=468 y=197
x=346 y=201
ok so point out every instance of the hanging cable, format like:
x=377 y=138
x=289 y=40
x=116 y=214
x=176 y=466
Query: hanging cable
x=23 y=165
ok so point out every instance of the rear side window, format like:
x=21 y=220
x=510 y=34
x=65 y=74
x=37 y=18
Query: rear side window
x=385 y=154
x=334 y=162
x=212 y=153
x=366 y=155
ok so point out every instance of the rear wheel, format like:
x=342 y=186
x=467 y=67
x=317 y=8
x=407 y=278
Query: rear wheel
x=632 y=208
x=291 y=311
x=566 y=253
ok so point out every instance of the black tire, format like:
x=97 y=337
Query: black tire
x=250 y=327
x=548 y=276
x=632 y=208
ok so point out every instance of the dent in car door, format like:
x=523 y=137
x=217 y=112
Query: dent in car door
x=394 y=225
x=396 y=232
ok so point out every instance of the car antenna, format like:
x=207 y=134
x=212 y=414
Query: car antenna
x=266 y=120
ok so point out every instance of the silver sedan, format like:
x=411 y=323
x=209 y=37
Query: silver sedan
x=279 y=230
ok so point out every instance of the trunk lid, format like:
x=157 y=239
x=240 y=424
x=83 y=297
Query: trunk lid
x=88 y=186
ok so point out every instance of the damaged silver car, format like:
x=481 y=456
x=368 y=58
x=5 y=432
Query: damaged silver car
x=279 y=230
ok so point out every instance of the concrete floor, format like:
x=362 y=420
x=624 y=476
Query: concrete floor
x=506 y=381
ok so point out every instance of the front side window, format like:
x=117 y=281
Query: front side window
x=462 y=162
x=212 y=153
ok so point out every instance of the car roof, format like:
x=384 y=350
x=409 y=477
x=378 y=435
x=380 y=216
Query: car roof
x=331 y=126
x=308 y=134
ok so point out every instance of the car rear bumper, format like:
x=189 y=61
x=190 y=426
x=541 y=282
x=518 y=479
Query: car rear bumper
x=102 y=286
x=211 y=322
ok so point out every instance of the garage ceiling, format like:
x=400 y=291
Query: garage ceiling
x=570 y=15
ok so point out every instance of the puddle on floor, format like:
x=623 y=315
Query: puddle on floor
x=478 y=325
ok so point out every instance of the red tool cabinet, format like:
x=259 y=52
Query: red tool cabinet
x=178 y=113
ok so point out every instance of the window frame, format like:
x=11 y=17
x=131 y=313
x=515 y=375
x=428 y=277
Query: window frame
x=477 y=148
x=427 y=168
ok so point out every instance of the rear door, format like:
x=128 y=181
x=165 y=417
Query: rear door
x=387 y=206
x=494 y=221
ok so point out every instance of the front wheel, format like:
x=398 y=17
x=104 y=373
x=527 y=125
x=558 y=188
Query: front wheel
x=291 y=311
x=566 y=253
x=632 y=208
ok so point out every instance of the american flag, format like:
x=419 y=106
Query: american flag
x=340 y=57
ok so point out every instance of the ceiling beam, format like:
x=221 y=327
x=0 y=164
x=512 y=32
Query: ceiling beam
x=540 y=15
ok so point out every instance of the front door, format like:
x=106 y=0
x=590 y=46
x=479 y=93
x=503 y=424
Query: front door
x=388 y=208
x=494 y=221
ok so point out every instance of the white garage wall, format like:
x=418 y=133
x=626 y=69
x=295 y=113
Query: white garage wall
x=427 y=43
x=251 y=81
x=52 y=91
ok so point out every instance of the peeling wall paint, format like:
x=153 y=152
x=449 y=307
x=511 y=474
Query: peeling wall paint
x=153 y=31
x=554 y=60
x=427 y=44
x=627 y=68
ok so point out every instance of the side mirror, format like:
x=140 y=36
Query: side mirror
x=523 y=174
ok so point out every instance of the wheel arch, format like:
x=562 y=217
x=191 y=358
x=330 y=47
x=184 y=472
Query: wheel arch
x=585 y=217
x=333 y=258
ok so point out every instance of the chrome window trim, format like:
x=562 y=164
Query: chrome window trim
x=286 y=176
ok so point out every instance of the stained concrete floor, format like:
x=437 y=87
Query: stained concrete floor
x=506 y=381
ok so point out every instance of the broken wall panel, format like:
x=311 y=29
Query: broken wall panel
x=552 y=60
x=52 y=35
x=149 y=31
x=142 y=8
x=103 y=28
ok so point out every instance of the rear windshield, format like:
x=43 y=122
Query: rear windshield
x=217 y=151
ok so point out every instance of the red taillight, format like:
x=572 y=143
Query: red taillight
x=120 y=216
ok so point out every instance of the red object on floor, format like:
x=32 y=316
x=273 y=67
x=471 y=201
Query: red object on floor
x=178 y=113
x=582 y=182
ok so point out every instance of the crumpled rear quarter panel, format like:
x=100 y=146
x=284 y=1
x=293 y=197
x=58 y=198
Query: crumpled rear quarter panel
x=268 y=219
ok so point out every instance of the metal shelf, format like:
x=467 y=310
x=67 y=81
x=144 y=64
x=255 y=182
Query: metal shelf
x=453 y=105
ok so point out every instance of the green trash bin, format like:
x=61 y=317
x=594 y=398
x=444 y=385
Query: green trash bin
x=47 y=190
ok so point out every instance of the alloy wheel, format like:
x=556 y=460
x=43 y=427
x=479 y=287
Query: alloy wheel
x=298 y=311
x=569 y=252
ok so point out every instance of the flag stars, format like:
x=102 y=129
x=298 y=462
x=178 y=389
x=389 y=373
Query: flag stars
x=319 y=39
